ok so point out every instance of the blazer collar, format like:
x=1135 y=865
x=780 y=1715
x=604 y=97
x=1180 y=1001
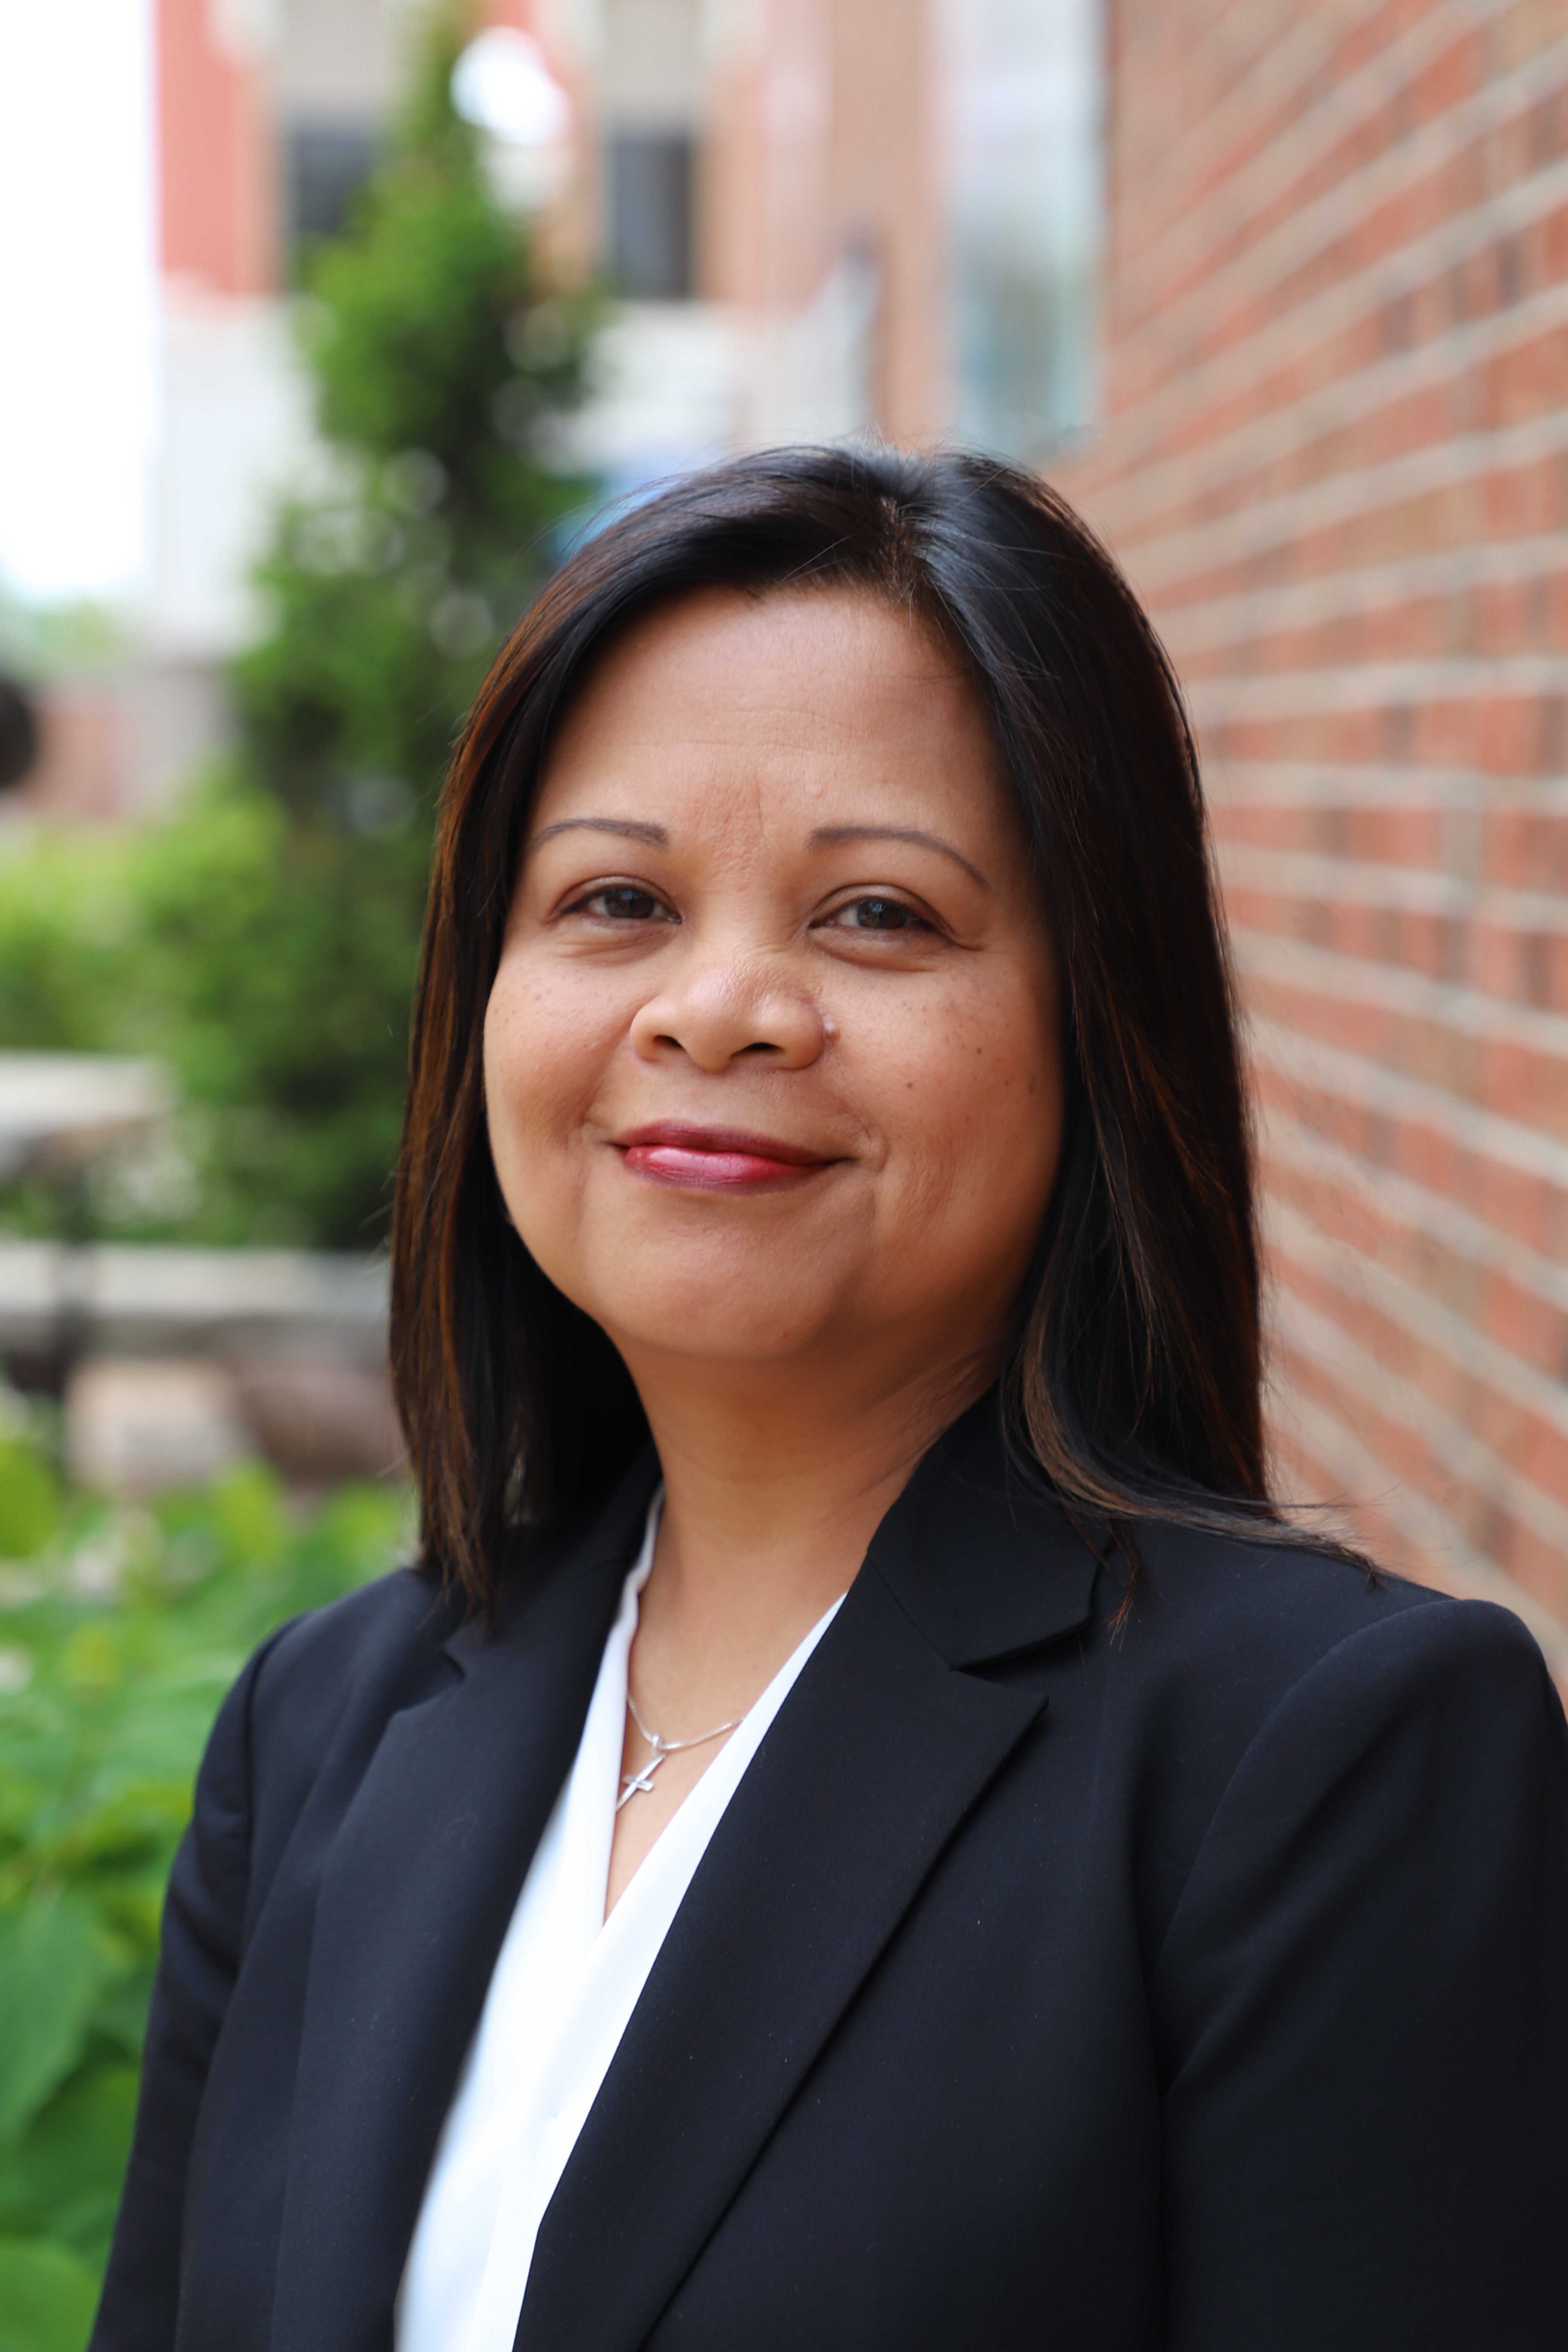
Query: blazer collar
x=887 y=1740
x=978 y=1551
x=886 y=1743
x=419 y=1886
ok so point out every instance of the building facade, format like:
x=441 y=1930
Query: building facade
x=1332 y=454
x=1322 y=417
x=1279 y=295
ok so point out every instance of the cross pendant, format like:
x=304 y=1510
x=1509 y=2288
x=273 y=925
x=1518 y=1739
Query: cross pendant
x=640 y=1782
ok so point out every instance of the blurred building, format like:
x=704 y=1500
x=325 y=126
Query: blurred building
x=1332 y=453
x=888 y=215
x=1276 y=294
x=815 y=218
x=265 y=113
x=268 y=116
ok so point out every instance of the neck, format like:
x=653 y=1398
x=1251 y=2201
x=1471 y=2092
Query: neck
x=774 y=1487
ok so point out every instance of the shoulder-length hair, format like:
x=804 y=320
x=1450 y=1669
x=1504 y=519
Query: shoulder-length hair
x=1133 y=1380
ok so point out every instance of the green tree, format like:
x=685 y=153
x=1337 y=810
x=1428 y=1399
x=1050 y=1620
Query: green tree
x=264 y=941
x=443 y=358
x=442 y=362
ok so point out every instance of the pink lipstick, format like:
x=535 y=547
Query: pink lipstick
x=716 y=1158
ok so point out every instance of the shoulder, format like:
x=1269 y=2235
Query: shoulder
x=1354 y=1909
x=321 y=1685
x=1391 y=1805
x=1323 y=1666
x=1253 y=1688
x=1236 y=1625
x=1259 y=1600
x=385 y=1645
x=351 y=1649
x=317 y=1695
x=1431 y=1727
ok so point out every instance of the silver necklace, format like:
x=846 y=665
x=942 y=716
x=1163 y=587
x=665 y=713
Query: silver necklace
x=639 y=1783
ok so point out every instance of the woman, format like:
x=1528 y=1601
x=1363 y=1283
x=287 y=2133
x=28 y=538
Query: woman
x=864 y=1828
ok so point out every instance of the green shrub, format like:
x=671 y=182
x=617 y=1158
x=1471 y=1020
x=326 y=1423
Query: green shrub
x=270 y=967
x=119 y=1631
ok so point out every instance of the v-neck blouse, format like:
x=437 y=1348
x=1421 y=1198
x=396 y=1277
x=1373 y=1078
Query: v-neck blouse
x=565 y=1983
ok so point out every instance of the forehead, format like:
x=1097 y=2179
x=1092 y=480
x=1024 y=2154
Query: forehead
x=796 y=696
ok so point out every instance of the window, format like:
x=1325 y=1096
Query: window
x=1022 y=90
x=651 y=190
x=325 y=165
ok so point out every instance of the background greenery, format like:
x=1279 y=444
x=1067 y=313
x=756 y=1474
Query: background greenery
x=263 y=940
x=119 y=1631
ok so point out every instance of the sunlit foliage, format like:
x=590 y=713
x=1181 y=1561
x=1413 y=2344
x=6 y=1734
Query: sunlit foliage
x=119 y=1631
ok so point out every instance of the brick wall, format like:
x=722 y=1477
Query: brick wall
x=1334 y=460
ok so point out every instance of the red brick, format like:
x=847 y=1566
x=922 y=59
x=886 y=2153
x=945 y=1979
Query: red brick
x=1333 y=351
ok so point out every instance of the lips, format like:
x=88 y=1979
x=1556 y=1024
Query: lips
x=717 y=1159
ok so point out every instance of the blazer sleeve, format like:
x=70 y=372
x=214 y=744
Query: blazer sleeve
x=1362 y=2008
x=204 y=1913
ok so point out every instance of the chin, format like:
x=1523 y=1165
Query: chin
x=729 y=1350
x=726 y=1323
x=753 y=1281
x=684 y=1304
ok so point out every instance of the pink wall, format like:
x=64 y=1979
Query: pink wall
x=218 y=165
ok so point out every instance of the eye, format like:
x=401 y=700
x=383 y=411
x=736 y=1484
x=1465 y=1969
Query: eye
x=622 y=902
x=876 y=914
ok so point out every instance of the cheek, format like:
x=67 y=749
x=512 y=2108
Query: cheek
x=974 y=1096
x=546 y=1044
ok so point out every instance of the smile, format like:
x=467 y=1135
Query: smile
x=717 y=1160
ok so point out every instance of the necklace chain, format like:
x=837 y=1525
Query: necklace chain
x=639 y=1783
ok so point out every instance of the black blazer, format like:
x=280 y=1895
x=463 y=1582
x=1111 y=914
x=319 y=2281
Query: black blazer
x=1200 y=1983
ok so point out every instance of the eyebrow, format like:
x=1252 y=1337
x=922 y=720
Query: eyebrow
x=828 y=836
x=629 y=828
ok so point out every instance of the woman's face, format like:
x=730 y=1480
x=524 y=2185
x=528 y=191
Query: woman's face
x=771 y=1058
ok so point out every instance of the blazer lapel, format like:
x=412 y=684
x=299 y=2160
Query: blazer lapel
x=422 y=1881
x=882 y=1748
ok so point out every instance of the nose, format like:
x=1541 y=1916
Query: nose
x=716 y=1008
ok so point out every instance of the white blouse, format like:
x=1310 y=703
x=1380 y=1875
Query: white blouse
x=566 y=1982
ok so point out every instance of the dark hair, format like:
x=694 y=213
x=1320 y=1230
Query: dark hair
x=1133 y=1382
